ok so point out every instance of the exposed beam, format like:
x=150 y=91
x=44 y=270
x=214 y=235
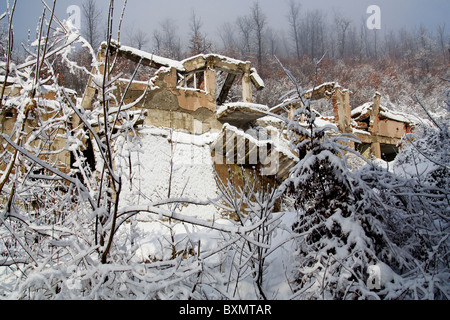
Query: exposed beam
x=226 y=88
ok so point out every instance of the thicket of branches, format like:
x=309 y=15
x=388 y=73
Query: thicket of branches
x=350 y=221
x=66 y=232
x=63 y=232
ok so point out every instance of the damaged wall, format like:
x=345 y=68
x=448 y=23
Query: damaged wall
x=380 y=130
x=181 y=93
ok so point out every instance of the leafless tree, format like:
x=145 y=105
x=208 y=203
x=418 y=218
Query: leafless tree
x=245 y=30
x=259 y=23
x=139 y=39
x=272 y=39
x=342 y=24
x=92 y=16
x=167 y=42
x=226 y=33
x=441 y=40
x=310 y=35
x=198 y=42
x=294 y=25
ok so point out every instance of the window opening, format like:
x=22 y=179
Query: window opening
x=192 y=81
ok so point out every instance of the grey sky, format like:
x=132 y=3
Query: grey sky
x=146 y=15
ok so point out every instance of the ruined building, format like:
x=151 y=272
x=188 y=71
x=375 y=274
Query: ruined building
x=183 y=94
x=379 y=130
x=188 y=96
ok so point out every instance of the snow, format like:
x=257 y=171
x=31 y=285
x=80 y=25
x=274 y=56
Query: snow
x=354 y=130
x=323 y=85
x=153 y=244
x=279 y=144
x=193 y=177
x=271 y=120
x=397 y=116
x=152 y=57
x=241 y=105
x=193 y=174
x=148 y=163
x=11 y=80
x=223 y=59
x=256 y=77
x=363 y=111
x=320 y=122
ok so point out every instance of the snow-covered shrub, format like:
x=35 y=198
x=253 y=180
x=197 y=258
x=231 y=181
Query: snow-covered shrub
x=253 y=202
x=415 y=196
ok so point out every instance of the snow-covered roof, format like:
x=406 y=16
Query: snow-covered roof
x=256 y=79
x=363 y=112
x=222 y=58
x=397 y=116
x=247 y=106
x=223 y=63
x=192 y=63
x=325 y=90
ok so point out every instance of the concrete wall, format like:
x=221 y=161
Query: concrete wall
x=170 y=106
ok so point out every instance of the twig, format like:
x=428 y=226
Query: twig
x=56 y=18
x=35 y=159
x=426 y=111
x=423 y=154
x=121 y=20
x=46 y=39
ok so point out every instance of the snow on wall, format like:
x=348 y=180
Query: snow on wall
x=192 y=174
x=241 y=105
x=364 y=111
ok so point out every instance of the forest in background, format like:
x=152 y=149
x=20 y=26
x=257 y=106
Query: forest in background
x=400 y=64
x=73 y=234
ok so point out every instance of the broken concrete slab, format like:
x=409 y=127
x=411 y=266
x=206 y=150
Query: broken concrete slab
x=240 y=113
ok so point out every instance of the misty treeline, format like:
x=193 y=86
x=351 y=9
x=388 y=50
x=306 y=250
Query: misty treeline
x=327 y=232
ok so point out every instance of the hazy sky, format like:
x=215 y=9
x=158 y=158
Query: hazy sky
x=146 y=15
